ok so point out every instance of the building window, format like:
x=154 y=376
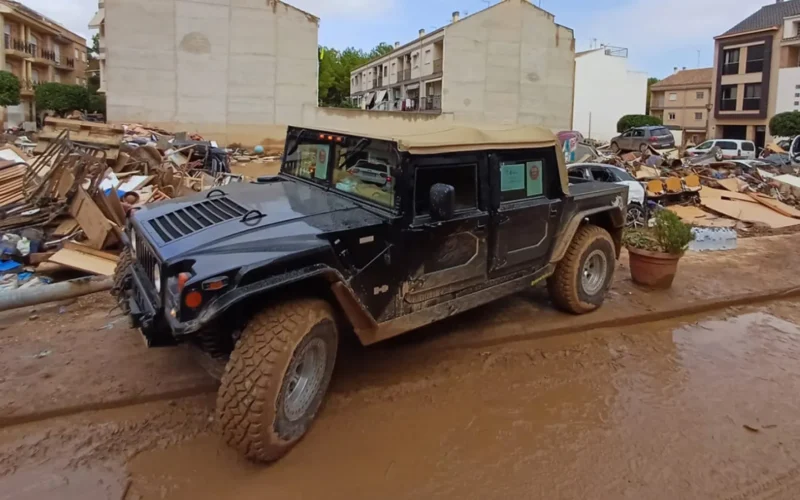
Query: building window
x=35 y=76
x=83 y=56
x=698 y=116
x=671 y=116
x=730 y=62
x=796 y=103
x=752 y=97
x=427 y=57
x=57 y=78
x=673 y=97
x=77 y=54
x=755 y=59
x=386 y=71
x=700 y=95
x=728 y=98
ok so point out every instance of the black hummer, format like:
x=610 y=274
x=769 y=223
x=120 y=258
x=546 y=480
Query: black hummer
x=379 y=234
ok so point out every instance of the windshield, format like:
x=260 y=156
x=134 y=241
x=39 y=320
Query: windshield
x=358 y=166
x=365 y=170
x=705 y=145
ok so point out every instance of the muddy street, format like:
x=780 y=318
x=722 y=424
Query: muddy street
x=700 y=407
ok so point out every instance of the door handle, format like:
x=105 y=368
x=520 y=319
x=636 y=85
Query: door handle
x=553 y=211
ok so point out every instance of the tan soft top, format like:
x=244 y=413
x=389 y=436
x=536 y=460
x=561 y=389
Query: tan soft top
x=420 y=138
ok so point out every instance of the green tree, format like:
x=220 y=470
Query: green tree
x=334 y=71
x=9 y=89
x=631 y=121
x=61 y=98
x=785 y=124
x=97 y=104
x=380 y=50
x=94 y=50
x=650 y=82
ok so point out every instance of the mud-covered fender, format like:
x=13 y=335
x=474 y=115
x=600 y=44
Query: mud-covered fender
x=355 y=312
x=614 y=225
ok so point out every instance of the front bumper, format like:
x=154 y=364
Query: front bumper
x=142 y=301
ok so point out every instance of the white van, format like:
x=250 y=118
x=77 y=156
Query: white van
x=731 y=149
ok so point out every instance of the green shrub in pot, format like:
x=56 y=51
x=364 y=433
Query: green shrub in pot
x=655 y=251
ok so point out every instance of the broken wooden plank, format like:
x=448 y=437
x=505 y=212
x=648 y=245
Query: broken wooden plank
x=67 y=227
x=749 y=211
x=697 y=217
x=711 y=193
x=84 y=262
x=80 y=247
x=778 y=206
x=91 y=219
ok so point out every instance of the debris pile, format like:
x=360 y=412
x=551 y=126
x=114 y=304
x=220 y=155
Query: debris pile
x=65 y=200
x=710 y=191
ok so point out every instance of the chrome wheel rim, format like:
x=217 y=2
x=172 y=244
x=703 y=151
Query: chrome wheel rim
x=304 y=378
x=594 y=272
x=635 y=217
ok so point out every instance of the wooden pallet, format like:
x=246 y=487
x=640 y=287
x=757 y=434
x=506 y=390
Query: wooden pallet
x=94 y=134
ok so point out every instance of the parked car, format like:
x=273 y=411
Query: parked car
x=732 y=149
x=265 y=277
x=639 y=138
x=637 y=208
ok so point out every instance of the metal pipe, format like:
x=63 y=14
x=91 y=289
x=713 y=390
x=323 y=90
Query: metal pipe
x=14 y=299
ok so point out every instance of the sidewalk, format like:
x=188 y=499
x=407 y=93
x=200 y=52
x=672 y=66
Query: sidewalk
x=61 y=359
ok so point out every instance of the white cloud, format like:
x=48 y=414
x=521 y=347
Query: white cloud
x=72 y=14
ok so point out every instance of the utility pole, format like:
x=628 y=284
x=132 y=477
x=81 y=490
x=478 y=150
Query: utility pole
x=698 y=58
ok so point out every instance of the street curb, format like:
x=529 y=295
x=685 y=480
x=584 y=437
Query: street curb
x=677 y=311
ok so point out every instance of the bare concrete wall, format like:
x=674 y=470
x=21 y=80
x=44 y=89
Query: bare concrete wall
x=231 y=70
x=510 y=64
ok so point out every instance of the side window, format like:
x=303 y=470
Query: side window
x=728 y=145
x=577 y=173
x=638 y=133
x=464 y=178
x=602 y=175
x=748 y=146
x=521 y=179
x=629 y=133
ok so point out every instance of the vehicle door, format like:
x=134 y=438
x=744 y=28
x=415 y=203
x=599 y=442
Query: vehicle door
x=527 y=205
x=638 y=139
x=748 y=150
x=447 y=256
x=729 y=149
x=624 y=141
x=578 y=173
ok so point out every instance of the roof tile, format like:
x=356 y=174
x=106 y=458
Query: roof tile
x=687 y=77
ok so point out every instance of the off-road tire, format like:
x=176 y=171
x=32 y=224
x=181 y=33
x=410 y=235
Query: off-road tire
x=565 y=285
x=615 y=148
x=250 y=403
x=122 y=278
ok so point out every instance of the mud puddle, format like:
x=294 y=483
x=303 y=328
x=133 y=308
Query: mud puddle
x=658 y=411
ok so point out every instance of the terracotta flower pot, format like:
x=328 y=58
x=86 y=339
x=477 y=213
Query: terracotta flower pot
x=653 y=269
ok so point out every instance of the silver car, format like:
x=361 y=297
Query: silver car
x=639 y=138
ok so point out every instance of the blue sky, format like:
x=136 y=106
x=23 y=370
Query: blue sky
x=659 y=34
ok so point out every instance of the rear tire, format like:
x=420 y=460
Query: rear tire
x=583 y=276
x=277 y=377
x=643 y=148
x=615 y=147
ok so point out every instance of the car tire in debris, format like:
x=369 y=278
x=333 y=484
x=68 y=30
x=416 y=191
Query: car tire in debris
x=583 y=276
x=643 y=148
x=615 y=147
x=122 y=277
x=277 y=377
x=635 y=216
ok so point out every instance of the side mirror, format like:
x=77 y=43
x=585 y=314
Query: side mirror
x=442 y=201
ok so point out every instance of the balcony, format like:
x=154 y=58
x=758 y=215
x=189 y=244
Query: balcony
x=65 y=63
x=727 y=104
x=431 y=103
x=18 y=48
x=27 y=87
x=657 y=103
x=437 y=66
x=404 y=76
x=44 y=56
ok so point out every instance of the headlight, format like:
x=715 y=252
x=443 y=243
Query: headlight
x=133 y=242
x=157 y=278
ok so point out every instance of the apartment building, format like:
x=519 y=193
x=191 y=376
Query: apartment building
x=756 y=73
x=230 y=71
x=683 y=100
x=605 y=90
x=37 y=50
x=509 y=63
